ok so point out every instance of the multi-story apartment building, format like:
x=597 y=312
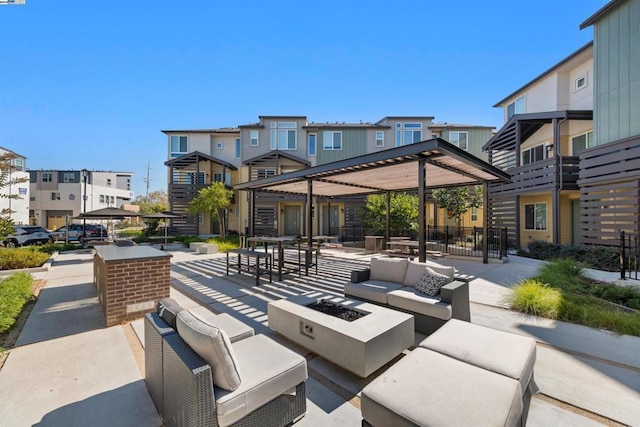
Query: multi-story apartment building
x=281 y=144
x=15 y=208
x=548 y=123
x=571 y=141
x=56 y=194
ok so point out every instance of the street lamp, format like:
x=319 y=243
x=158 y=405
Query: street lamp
x=85 y=174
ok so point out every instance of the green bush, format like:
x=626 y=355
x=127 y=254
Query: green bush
x=27 y=257
x=55 y=247
x=185 y=240
x=230 y=242
x=534 y=297
x=604 y=258
x=15 y=291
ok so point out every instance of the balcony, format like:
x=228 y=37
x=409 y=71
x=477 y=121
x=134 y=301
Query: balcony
x=555 y=173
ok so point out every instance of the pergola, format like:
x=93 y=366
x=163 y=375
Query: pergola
x=434 y=163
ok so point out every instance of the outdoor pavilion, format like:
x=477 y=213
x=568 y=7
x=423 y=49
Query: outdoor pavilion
x=434 y=163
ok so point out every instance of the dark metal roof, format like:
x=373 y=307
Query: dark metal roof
x=505 y=138
x=274 y=155
x=193 y=158
x=558 y=65
x=601 y=13
x=395 y=169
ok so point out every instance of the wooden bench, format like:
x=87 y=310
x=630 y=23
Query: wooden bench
x=258 y=255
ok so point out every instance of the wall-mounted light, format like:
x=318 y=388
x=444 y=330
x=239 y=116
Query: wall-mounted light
x=282 y=210
x=341 y=210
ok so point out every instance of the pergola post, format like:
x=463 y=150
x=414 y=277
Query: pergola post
x=387 y=233
x=485 y=223
x=422 y=217
x=310 y=213
x=555 y=206
x=252 y=213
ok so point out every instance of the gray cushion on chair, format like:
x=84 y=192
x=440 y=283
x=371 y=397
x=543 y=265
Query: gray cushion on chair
x=234 y=328
x=168 y=309
x=411 y=299
x=502 y=352
x=268 y=371
x=429 y=389
x=213 y=345
x=372 y=290
x=388 y=269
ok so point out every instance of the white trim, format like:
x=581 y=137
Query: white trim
x=535 y=226
x=324 y=140
x=545 y=150
x=576 y=82
x=251 y=138
x=219 y=146
x=457 y=144
x=178 y=153
x=315 y=137
x=381 y=139
x=572 y=137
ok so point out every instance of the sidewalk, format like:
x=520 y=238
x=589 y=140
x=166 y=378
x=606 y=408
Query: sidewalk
x=68 y=369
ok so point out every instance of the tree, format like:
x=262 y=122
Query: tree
x=157 y=201
x=458 y=200
x=403 y=213
x=7 y=181
x=212 y=200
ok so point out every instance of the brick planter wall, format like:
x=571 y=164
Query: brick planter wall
x=130 y=280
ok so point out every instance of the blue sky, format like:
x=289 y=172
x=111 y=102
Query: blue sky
x=90 y=84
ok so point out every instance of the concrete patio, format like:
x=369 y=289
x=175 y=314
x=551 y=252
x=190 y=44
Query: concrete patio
x=68 y=369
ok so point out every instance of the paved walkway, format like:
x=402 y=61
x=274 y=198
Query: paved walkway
x=68 y=369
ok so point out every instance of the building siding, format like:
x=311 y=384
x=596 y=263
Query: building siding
x=354 y=143
x=617 y=72
x=476 y=139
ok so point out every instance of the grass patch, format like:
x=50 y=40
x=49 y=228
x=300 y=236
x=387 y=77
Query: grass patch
x=15 y=292
x=229 y=242
x=27 y=257
x=559 y=291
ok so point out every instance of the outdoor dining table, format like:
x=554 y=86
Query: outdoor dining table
x=277 y=242
x=320 y=239
x=405 y=246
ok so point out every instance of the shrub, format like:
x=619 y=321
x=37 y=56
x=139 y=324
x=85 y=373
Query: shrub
x=15 y=291
x=28 y=257
x=539 y=249
x=185 y=240
x=598 y=257
x=50 y=248
x=230 y=242
x=534 y=297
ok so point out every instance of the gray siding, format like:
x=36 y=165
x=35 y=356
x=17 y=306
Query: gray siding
x=617 y=73
x=477 y=138
x=354 y=143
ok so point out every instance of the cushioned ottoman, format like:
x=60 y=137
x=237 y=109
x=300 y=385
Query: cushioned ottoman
x=427 y=388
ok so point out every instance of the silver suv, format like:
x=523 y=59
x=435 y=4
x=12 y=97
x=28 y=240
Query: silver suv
x=26 y=235
x=60 y=234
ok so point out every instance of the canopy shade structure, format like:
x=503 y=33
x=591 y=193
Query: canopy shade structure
x=108 y=213
x=434 y=163
x=395 y=169
x=162 y=215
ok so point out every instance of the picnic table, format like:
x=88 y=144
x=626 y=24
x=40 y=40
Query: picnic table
x=163 y=240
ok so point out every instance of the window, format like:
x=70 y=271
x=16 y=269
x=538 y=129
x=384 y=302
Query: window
x=68 y=177
x=283 y=137
x=581 y=142
x=102 y=198
x=237 y=148
x=332 y=140
x=534 y=154
x=459 y=139
x=18 y=164
x=379 y=139
x=312 y=144
x=217 y=177
x=195 y=177
x=266 y=173
x=474 y=214
x=580 y=82
x=535 y=216
x=219 y=146
x=113 y=200
x=55 y=196
x=108 y=182
x=408 y=133
x=47 y=177
x=178 y=145
x=516 y=107
x=32 y=198
x=254 y=138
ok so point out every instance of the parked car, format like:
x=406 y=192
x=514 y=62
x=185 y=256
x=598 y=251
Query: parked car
x=26 y=235
x=97 y=231
x=60 y=234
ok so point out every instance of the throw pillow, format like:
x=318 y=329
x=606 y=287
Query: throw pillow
x=168 y=309
x=431 y=282
x=213 y=345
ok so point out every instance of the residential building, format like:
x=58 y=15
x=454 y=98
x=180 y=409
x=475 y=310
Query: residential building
x=60 y=194
x=280 y=144
x=15 y=208
x=609 y=178
x=548 y=123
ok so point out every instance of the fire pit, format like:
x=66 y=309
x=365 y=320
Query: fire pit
x=337 y=310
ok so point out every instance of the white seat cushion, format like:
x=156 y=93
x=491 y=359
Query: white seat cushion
x=213 y=345
x=502 y=352
x=427 y=388
x=410 y=299
x=268 y=370
x=372 y=290
x=388 y=269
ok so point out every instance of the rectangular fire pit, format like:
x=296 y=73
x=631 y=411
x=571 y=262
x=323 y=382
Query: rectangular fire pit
x=361 y=346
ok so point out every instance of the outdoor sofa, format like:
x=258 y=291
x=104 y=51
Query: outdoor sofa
x=199 y=375
x=391 y=282
x=461 y=375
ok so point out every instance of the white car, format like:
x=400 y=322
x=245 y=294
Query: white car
x=26 y=235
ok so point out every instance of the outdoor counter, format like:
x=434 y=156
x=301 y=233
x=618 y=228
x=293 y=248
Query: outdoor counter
x=129 y=280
